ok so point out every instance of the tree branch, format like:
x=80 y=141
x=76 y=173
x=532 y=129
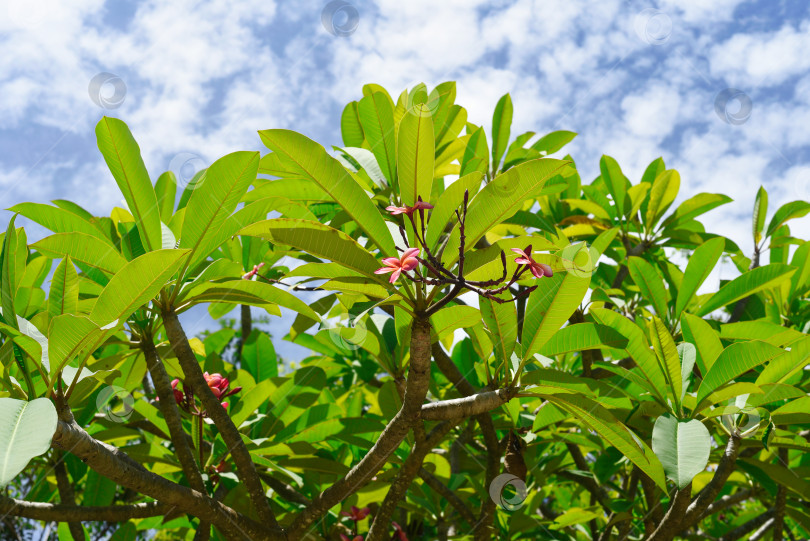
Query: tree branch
x=416 y=389
x=476 y=404
x=66 y=495
x=405 y=476
x=230 y=434
x=670 y=526
x=73 y=514
x=781 y=501
x=706 y=496
x=113 y=463
x=743 y=530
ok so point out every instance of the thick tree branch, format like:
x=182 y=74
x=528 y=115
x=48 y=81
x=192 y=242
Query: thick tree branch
x=73 y=514
x=727 y=501
x=469 y=406
x=407 y=473
x=416 y=389
x=781 y=501
x=670 y=525
x=707 y=496
x=116 y=465
x=483 y=528
x=230 y=434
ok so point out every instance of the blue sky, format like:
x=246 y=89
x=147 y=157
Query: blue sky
x=636 y=80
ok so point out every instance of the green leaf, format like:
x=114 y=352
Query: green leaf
x=98 y=490
x=59 y=220
x=501 y=124
x=249 y=292
x=250 y=401
x=415 y=155
x=554 y=141
x=705 y=339
x=747 y=284
x=597 y=418
x=615 y=181
x=166 y=193
x=10 y=278
x=582 y=336
x=693 y=207
x=788 y=211
x=784 y=366
x=476 y=153
x=650 y=283
x=259 y=356
x=68 y=335
x=310 y=161
x=736 y=359
x=760 y=210
x=83 y=248
x=135 y=284
x=350 y=128
x=319 y=240
x=64 y=293
x=376 y=116
x=794 y=412
x=701 y=263
x=637 y=348
x=450 y=200
x=688 y=355
x=549 y=307
x=501 y=320
x=123 y=157
x=668 y=358
x=454 y=317
x=500 y=199
x=683 y=447
x=662 y=194
x=214 y=199
x=26 y=429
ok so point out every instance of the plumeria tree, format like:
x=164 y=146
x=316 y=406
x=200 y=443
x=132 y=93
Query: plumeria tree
x=498 y=351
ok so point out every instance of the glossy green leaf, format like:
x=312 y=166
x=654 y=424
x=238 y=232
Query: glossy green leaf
x=123 y=157
x=64 y=293
x=615 y=181
x=26 y=429
x=166 y=193
x=311 y=161
x=415 y=155
x=319 y=240
x=760 y=210
x=554 y=141
x=501 y=320
x=700 y=265
x=706 y=340
x=376 y=117
x=549 y=307
x=747 y=284
x=249 y=292
x=501 y=125
x=450 y=201
x=214 y=199
x=582 y=336
x=10 y=277
x=663 y=192
x=83 y=248
x=500 y=199
x=135 y=284
x=788 y=211
x=668 y=358
x=735 y=360
x=683 y=447
x=650 y=283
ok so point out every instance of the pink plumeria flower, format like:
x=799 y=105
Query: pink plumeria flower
x=420 y=205
x=399 y=533
x=525 y=258
x=398 y=265
x=344 y=537
x=253 y=273
x=356 y=513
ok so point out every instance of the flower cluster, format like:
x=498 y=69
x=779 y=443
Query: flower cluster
x=218 y=384
x=439 y=275
x=252 y=273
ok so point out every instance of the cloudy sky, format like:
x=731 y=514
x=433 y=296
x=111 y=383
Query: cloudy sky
x=720 y=89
